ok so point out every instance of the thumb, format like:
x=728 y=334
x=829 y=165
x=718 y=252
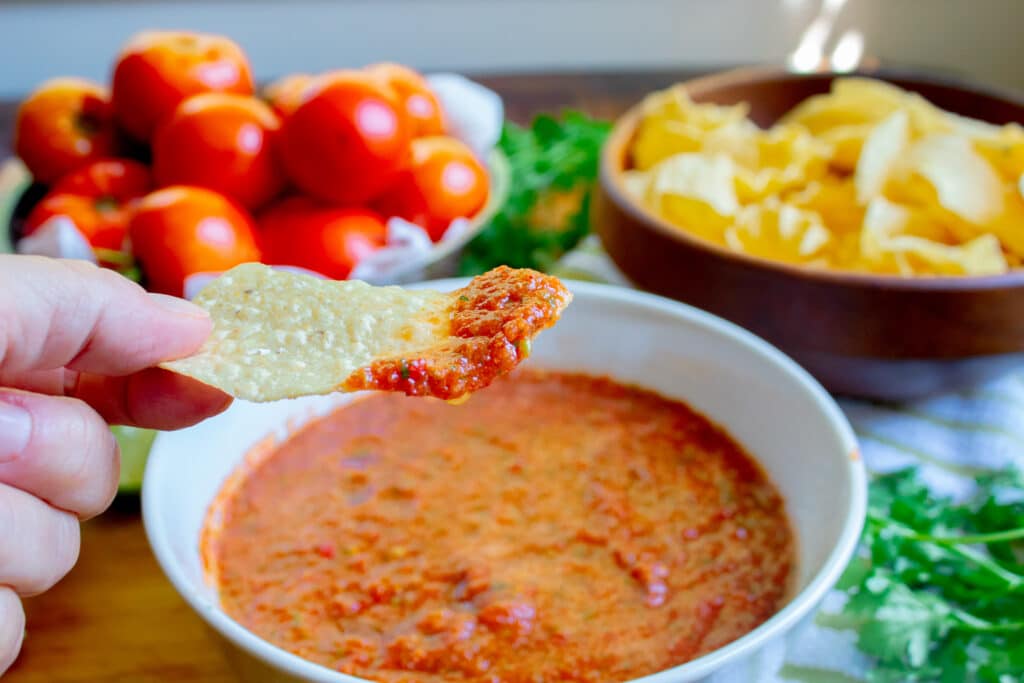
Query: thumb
x=56 y=313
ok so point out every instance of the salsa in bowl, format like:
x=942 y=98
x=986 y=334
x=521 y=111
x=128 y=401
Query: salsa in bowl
x=636 y=503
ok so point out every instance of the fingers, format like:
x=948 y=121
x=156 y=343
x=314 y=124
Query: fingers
x=154 y=398
x=40 y=381
x=56 y=313
x=39 y=544
x=59 y=450
x=12 y=627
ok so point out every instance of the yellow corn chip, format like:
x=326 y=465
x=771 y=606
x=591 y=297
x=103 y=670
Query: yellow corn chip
x=881 y=149
x=834 y=200
x=675 y=103
x=821 y=113
x=1009 y=226
x=674 y=124
x=637 y=183
x=779 y=231
x=975 y=129
x=851 y=102
x=846 y=143
x=887 y=246
x=965 y=184
x=787 y=158
x=784 y=146
x=858 y=102
x=1004 y=151
x=708 y=179
x=697 y=192
x=657 y=140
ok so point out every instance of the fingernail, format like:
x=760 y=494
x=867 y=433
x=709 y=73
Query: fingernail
x=15 y=431
x=178 y=306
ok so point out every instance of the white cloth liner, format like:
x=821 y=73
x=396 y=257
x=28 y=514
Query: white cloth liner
x=57 y=237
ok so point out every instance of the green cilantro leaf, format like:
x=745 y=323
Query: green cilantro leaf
x=553 y=165
x=936 y=589
x=897 y=623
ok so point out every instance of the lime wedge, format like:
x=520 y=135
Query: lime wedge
x=135 y=444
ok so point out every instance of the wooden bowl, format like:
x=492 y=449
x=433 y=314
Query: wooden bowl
x=862 y=335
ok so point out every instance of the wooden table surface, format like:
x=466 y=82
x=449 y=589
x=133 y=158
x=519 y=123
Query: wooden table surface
x=116 y=617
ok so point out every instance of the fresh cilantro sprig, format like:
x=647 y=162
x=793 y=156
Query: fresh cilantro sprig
x=937 y=588
x=553 y=165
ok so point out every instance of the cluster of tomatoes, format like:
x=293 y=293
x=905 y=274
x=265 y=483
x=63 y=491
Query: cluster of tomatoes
x=185 y=170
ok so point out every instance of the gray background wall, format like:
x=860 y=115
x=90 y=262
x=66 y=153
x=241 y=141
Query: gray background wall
x=980 y=38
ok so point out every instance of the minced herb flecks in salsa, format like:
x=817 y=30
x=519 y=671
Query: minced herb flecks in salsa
x=555 y=527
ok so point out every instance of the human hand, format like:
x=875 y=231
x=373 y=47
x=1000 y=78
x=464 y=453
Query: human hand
x=77 y=350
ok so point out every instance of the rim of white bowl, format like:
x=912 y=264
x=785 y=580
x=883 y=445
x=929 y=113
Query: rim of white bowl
x=799 y=606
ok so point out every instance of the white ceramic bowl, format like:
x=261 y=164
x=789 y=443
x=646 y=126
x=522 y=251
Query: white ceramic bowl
x=764 y=400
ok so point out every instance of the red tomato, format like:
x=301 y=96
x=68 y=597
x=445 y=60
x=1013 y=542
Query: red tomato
x=223 y=142
x=180 y=230
x=120 y=179
x=98 y=198
x=285 y=94
x=330 y=240
x=347 y=141
x=156 y=70
x=445 y=181
x=414 y=92
x=65 y=123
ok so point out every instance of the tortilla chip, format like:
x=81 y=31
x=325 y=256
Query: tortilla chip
x=881 y=149
x=280 y=335
x=851 y=102
x=846 y=143
x=704 y=178
x=1009 y=226
x=976 y=129
x=779 y=231
x=1004 y=151
x=637 y=183
x=821 y=113
x=657 y=140
x=694 y=191
x=886 y=244
x=787 y=158
x=965 y=184
x=674 y=124
x=834 y=200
